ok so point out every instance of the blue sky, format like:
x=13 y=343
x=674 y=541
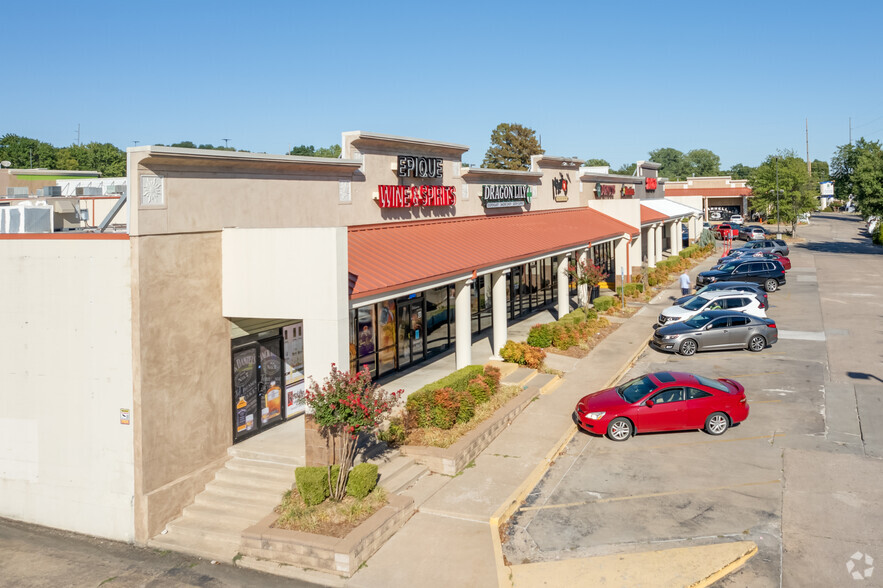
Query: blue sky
x=594 y=79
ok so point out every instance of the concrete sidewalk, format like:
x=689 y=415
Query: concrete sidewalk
x=454 y=539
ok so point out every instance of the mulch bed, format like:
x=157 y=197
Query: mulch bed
x=334 y=525
x=583 y=349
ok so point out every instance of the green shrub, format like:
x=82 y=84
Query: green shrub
x=630 y=289
x=492 y=377
x=467 y=407
x=479 y=389
x=540 y=336
x=602 y=303
x=523 y=354
x=445 y=408
x=877 y=235
x=457 y=380
x=394 y=434
x=419 y=407
x=564 y=335
x=362 y=480
x=312 y=483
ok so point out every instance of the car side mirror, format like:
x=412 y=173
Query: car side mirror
x=650 y=404
x=708 y=327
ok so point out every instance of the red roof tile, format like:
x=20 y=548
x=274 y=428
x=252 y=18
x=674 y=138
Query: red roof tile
x=648 y=215
x=708 y=191
x=397 y=256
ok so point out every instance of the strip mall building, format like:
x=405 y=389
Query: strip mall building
x=134 y=359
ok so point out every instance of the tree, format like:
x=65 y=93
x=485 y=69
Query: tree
x=740 y=172
x=185 y=144
x=627 y=169
x=346 y=406
x=868 y=179
x=820 y=171
x=511 y=147
x=310 y=151
x=673 y=165
x=702 y=162
x=597 y=162
x=24 y=152
x=797 y=192
x=587 y=275
x=843 y=166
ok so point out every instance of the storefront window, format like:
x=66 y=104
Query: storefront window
x=366 y=341
x=438 y=314
x=386 y=333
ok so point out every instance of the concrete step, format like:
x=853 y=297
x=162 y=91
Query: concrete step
x=223 y=551
x=545 y=383
x=395 y=465
x=519 y=377
x=260 y=466
x=263 y=455
x=237 y=491
x=213 y=529
x=254 y=479
x=403 y=478
x=425 y=488
x=247 y=515
x=243 y=502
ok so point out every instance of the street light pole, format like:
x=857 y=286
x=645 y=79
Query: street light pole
x=778 y=224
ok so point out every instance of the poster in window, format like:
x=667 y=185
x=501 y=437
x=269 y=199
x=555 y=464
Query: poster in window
x=293 y=352
x=245 y=389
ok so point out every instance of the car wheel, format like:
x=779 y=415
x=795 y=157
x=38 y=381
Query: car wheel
x=771 y=285
x=688 y=347
x=619 y=429
x=757 y=343
x=717 y=423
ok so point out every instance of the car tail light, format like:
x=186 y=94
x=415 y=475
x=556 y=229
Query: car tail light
x=771 y=324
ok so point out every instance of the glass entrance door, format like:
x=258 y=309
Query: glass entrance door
x=258 y=380
x=410 y=332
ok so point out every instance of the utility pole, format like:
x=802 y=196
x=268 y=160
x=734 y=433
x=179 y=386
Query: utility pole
x=778 y=223
x=808 y=165
x=225 y=143
x=78 y=134
x=850 y=130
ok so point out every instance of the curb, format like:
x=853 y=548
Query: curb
x=724 y=571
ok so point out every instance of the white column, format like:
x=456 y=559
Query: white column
x=563 y=282
x=659 y=227
x=620 y=259
x=499 y=312
x=673 y=237
x=463 y=320
x=651 y=246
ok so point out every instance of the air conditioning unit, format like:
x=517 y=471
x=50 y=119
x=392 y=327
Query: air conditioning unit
x=115 y=189
x=17 y=192
x=12 y=219
x=36 y=219
x=88 y=191
x=53 y=191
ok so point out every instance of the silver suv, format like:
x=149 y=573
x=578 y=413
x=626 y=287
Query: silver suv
x=767 y=246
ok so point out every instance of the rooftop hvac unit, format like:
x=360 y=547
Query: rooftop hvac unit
x=88 y=191
x=115 y=189
x=52 y=191
x=36 y=219
x=12 y=219
x=17 y=192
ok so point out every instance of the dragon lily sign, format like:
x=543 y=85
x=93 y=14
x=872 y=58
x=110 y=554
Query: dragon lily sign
x=505 y=195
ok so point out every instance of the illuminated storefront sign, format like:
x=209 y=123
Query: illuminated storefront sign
x=505 y=195
x=627 y=192
x=410 y=196
x=412 y=166
x=651 y=183
x=605 y=190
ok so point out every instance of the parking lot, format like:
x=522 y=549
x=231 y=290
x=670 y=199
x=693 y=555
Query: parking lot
x=690 y=488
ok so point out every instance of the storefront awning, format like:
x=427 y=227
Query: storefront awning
x=669 y=208
x=650 y=216
x=394 y=257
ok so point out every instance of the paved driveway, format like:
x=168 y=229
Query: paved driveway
x=678 y=489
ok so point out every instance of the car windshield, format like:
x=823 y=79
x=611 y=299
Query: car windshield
x=695 y=303
x=729 y=267
x=698 y=321
x=633 y=390
x=712 y=383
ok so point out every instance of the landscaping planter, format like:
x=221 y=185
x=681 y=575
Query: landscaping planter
x=451 y=460
x=320 y=552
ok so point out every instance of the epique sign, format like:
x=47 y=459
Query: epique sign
x=412 y=166
x=605 y=190
x=409 y=196
x=505 y=195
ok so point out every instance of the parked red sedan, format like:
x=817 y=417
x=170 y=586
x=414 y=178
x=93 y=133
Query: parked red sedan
x=725 y=231
x=663 y=401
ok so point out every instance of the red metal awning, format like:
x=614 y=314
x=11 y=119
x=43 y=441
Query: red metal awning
x=398 y=256
x=650 y=216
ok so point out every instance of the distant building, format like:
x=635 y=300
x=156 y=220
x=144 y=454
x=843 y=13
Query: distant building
x=721 y=196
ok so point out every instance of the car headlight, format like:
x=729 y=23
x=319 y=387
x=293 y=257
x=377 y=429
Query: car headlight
x=670 y=337
x=710 y=279
x=595 y=415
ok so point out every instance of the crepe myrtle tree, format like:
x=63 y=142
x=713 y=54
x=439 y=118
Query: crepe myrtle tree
x=346 y=406
x=585 y=273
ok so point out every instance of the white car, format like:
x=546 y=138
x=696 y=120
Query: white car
x=715 y=300
x=737 y=219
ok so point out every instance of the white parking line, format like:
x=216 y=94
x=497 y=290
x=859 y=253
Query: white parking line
x=803 y=335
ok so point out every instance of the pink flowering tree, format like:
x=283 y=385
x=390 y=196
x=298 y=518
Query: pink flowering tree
x=346 y=406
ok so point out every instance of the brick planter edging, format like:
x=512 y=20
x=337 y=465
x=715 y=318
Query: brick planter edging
x=451 y=460
x=327 y=554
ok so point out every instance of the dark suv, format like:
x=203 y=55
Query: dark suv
x=770 y=274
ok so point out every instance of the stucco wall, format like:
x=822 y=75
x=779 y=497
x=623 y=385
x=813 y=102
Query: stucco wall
x=66 y=460
x=182 y=373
